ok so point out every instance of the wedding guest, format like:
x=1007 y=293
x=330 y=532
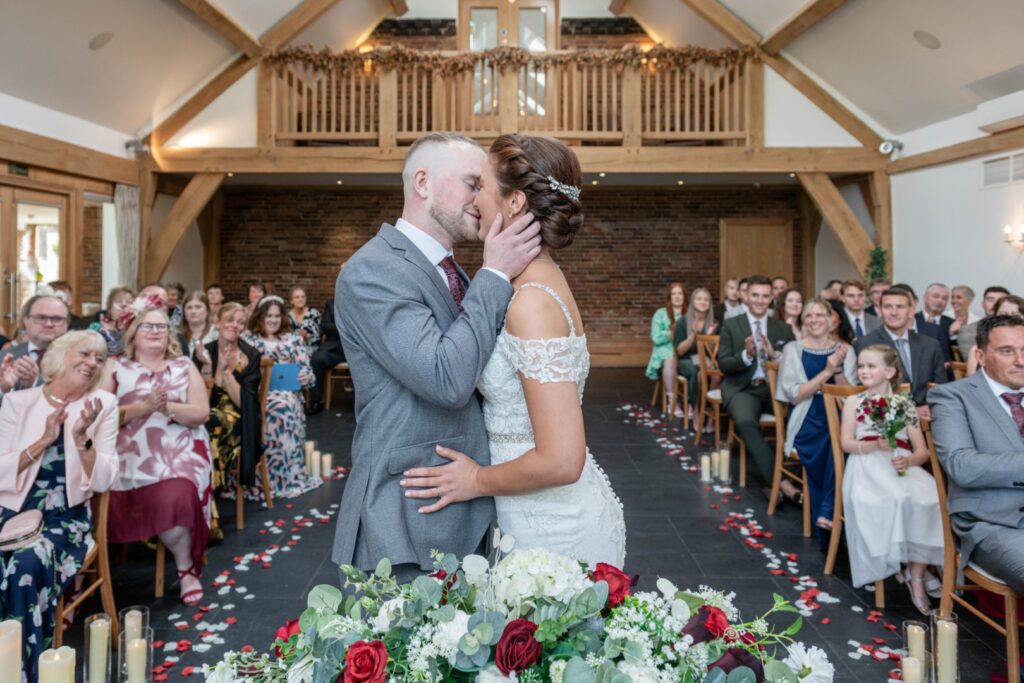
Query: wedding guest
x=699 y=319
x=305 y=320
x=196 y=328
x=284 y=427
x=960 y=301
x=255 y=291
x=175 y=295
x=811 y=361
x=164 y=487
x=920 y=357
x=933 y=306
x=791 y=306
x=841 y=330
x=891 y=504
x=57 y=448
x=745 y=343
x=153 y=294
x=731 y=305
x=780 y=286
x=235 y=424
x=861 y=322
x=875 y=289
x=965 y=337
x=743 y=293
x=663 y=356
x=1008 y=305
x=62 y=290
x=979 y=438
x=110 y=325
x=215 y=299
x=833 y=291
x=44 y=318
x=919 y=325
x=326 y=357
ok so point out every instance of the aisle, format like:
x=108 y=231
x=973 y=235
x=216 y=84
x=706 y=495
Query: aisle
x=258 y=578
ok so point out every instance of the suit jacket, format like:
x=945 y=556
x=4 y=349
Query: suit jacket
x=926 y=360
x=939 y=333
x=415 y=361
x=982 y=453
x=871 y=322
x=870 y=308
x=17 y=352
x=732 y=340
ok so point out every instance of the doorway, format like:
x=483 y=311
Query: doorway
x=749 y=246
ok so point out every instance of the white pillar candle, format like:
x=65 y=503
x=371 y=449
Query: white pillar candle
x=723 y=463
x=913 y=670
x=705 y=468
x=714 y=463
x=51 y=668
x=99 y=650
x=136 y=660
x=309 y=447
x=326 y=465
x=132 y=624
x=915 y=641
x=67 y=658
x=10 y=650
x=314 y=465
x=945 y=651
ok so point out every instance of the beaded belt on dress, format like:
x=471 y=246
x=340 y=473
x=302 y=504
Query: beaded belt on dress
x=510 y=438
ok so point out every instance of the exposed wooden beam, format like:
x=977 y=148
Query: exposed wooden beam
x=593 y=159
x=399 y=7
x=755 y=107
x=719 y=16
x=802 y=21
x=36 y=150
x=617 y=7
x=209 y=233
x=880 y=185
x=810 y=227
x=840 y=217
x=295 y=22
x=191 y=202
x=224 y=26
x=824 y=101
x=148 y=184
x=990 y=144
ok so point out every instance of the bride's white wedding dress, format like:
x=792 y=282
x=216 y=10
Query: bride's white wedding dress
x=581 y=520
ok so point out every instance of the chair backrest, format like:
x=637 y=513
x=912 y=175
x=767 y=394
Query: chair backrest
x=707 y=354
x=266 y=367
x=956 y=354
x=950 y=555
x=835 y=396
x=959 y=369
x=771 y=368
x=100 y=514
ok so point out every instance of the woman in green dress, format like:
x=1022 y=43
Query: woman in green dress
x=663 y=356
x=699 y=319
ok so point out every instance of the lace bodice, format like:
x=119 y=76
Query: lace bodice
x=560 y=359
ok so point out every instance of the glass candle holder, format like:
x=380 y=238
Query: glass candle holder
x=706 y=476
x=133 y=620
x=945 y=628
x=724 y=466
x=97 y=648
x=135 y=657
x=915 y=639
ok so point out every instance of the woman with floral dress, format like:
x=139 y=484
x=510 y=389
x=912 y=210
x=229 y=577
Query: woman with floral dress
x=57 y=448
x=284 y=423
x=305 y=321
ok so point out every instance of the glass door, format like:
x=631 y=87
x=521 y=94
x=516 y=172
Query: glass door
x=535 y=26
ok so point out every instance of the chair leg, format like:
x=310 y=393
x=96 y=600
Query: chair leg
x=701 y=412
x=329 y=389
x=158 y=589
x=58 y=628
x=683 y=389
x=107 y=587
x=718 y=426
x=743 y=465
x=880 y=594
x=265 y=476
x=654 y=396
x=948 y=587
x=1012 y=638
x=833 y=545
x=239 y=496
x=773 y=497
x=807 y=508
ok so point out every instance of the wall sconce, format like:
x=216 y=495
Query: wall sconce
x=1014 y=240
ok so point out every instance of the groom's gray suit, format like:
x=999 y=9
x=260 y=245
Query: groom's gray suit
x=983 y=454
x=415 y=362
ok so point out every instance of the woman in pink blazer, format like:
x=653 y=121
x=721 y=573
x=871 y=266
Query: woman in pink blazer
x=57 y=448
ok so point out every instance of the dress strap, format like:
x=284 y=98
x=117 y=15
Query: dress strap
x=554 y=295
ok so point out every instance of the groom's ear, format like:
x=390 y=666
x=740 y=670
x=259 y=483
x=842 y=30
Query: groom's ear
x=421 y=183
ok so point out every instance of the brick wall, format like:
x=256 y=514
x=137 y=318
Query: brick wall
x=91 y=278
x=634 y=241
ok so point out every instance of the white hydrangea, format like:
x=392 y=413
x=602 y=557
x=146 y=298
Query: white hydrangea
x=448 y=633
x=557 y=670
x=638 y=672
x=721 y=600
x=810 y=664
x=526 y=575
x=388 y=611
x=492 y=674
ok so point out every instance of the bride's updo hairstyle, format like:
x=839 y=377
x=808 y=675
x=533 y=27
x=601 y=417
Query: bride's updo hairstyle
x=525 y=164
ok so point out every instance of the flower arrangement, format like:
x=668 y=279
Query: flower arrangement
x=534 y=616
x=888 y=415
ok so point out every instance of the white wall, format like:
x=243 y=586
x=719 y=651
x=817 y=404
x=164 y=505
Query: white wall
x=34 y=118
x=186 y=264
x=229 y=121
x=792 y=120
x=830 y=259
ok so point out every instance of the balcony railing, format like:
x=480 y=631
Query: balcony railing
x=561 y=94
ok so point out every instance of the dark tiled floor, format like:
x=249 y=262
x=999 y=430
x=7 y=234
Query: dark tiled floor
x=674 y=529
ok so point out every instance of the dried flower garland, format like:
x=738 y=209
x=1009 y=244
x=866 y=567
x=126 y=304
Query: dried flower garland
x=393 y=57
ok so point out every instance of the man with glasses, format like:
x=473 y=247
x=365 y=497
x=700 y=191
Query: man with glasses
x=44 y=317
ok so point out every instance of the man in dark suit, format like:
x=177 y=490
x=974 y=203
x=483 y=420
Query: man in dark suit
x=920 y=356
x=875 y=289
x=745 y=343
x=45 y=317
x=326 y=357
x=921 y=326
x=854 y=298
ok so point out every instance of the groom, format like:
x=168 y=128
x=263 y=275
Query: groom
x=417 y=334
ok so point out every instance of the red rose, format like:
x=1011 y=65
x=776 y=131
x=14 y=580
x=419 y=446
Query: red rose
x=708 y=623
x=290 y=628
x=517 y=650
x=365 y=662
x=737 y=657
x=618 y=583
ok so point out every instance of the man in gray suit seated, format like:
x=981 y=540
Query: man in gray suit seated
x=45 y=317
x=978 y=427
x=417 y=334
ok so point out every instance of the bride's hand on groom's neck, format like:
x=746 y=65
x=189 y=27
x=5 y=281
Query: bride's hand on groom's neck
x=511 y=249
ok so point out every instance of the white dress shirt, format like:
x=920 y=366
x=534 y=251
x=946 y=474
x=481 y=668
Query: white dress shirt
x=854 y=318
x=999 y=389
x=433 y=250
x=747 y=360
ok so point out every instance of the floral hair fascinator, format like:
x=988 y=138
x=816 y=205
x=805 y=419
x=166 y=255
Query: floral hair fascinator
x=140 y=304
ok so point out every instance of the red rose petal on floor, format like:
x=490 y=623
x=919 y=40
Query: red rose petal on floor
x=707 y=488
x=247 y=648
x=878 y=641
x=826 y=621
x=777 y=572
x=737 y=497
x=231 y=620
x=293 y=542
x=795 y=579
x=197 y=616
x=725 y=499
x=267 y=565
x=887 y=625
x=158 y=644
x=184 y=645
x=792 y=557
x=230 y=582
x=295 y=529
x=187 y=671
x=263 y=532
x=159 y=678
x=204 y=634
x=768 y=534
x=182 y=627
x=714 y=506
x=288 y=506
x=227 y=572
x=204 y=608
x=723 y=528
x=157 y=670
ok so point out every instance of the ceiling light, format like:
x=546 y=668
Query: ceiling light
x=340 y=182
x=680 y=182
x=230 y=174
x=100 y=40
x=593 y=182
x=602 y=174
x=927 y=40
x=792 y=175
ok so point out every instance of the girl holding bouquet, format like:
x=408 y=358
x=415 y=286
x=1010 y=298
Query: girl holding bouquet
x=892 y=506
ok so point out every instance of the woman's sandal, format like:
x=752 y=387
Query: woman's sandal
x=193 y=597
x=823 y=522
x=922 y=604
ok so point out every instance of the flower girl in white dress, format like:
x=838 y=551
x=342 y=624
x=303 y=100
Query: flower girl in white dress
x=891 y=504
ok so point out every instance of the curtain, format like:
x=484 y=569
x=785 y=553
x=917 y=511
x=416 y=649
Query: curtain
x=126 y=208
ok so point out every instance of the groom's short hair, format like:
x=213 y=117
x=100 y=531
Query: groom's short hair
x=429 y=140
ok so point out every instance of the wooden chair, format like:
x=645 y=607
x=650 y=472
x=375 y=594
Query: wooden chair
x=956 y=354
x=975 y=578
x=959 y=370
x=707 y=355
x=96 y=569
x=835 y=396
x=681 y=384
x=266 y=367
x=790 y=467
x=338 y=372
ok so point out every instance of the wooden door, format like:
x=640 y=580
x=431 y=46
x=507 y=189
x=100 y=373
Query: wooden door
x=755 y=246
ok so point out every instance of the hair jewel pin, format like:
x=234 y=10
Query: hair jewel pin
x=570 y=191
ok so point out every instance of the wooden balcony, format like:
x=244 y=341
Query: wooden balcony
x=563 y=94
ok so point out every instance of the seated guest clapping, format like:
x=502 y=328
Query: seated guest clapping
x=196 y=328
x=165 y=484
x=1008 y=305
x=790 y=309
x=979 y=438
x=807 y=364
x=663 y=356
x=109 y=323
x=699 y=319
x=57 y=448
x=44 y=318
x=891 y=503
x=234 y=424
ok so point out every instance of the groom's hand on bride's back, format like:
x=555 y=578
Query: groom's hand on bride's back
x=511 y=249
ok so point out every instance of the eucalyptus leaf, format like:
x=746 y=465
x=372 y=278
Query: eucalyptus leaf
x=428 y=590
x=777 y=671
x=716 y=675
x=578 y=671
x=325 y=598
x=601 y=589
x=383 y=569
x=619 y=677
x=481 y=657
x=475 y=565
x=507 y=544
x=444 y=614
x=469 y=644
x=742 y=674
x=484 y=631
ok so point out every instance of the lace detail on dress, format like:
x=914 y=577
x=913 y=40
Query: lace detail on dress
x=560 y=359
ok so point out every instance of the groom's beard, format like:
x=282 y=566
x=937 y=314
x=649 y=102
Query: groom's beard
x=453 y=222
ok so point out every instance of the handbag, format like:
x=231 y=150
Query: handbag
x=21 y=530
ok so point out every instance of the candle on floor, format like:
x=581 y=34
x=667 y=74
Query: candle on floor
x=945 y=651
x=914 y=634
x=56 y=666
x=913 y=670
x=326 y=465
x=10 y=650
x=715 y=463
x=723 y=463
x=705 y=468
x=309 y=447
x=135 y=658
x=67 y=655
x=132 y=624
x=314 y=465
x=98 y=633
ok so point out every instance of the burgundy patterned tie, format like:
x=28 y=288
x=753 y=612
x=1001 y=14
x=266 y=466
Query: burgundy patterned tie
x=454 y=281
x=1016 y=409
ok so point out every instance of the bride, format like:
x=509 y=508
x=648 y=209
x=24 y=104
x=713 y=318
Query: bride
x=548 y=491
